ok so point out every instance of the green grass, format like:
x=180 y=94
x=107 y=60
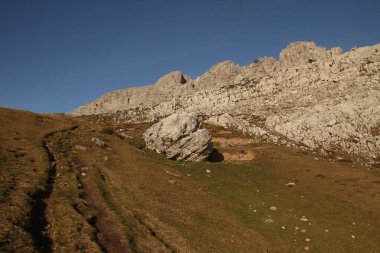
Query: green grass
x=257 y=186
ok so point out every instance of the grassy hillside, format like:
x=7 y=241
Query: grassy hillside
x=24 y=172
x=111 y=195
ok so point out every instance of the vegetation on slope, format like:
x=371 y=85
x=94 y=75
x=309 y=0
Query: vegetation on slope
x=109 y=194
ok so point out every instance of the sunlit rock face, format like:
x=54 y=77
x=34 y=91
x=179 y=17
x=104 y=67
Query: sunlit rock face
x=180 y=137
x=303 y=52
x=317 y=97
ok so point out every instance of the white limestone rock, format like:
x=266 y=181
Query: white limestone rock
x=181 y=137
x=227 y=121
x=172 y=80
x=303 y=52
x=331 y=102
x=220 y=74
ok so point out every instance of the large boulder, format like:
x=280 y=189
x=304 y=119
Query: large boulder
x=181 y=137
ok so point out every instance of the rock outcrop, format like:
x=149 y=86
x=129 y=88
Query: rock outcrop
x=323 y=99
x=165 y=89
x=220 y=74
x=172 y=80
x=303 y=52
x=180 y=137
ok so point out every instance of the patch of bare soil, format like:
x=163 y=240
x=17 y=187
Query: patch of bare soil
x=224 y=132
x=232 y=141
x=109 y=236
x=232 y=148
x=243 y=155
x=116 y=230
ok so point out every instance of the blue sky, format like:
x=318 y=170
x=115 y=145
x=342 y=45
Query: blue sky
x=57 y=55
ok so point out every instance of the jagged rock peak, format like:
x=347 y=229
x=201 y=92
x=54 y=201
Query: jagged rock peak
x=303 y=52
x=174 y=78
x=224 y=66
x=220 y=74
x=260 y=67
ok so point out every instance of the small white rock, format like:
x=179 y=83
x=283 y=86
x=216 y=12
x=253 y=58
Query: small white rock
x=352 y=236
x=273 y=208
x=307 y=239
x=283 y=227
x=208 y=171
x=290 y=184
x=269 y=221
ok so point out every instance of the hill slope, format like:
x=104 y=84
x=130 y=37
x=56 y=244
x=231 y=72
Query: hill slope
x=103 y=192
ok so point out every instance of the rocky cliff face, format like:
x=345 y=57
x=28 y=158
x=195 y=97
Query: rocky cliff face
x=323 y=99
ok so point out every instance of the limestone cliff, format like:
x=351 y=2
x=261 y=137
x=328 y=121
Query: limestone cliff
x=322 y=99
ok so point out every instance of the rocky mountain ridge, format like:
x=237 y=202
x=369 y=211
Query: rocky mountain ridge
x=323 y=99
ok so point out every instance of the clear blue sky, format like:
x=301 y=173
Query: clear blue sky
x=57 y=55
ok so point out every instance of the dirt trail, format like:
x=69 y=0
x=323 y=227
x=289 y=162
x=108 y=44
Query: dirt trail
x=39 y=223
x=109 y=236
x=113 y=231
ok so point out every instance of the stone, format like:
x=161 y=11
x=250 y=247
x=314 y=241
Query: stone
x=180 y=137
x=273 y=208
x=172 y=80
x=290 y=184
x=314 y=97
x=80 y=147
x=269 y=221
x=223 y=73
x=98 y=142
x=303 y=52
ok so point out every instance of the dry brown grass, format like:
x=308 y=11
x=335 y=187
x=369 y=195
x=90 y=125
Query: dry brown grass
x=130 y=199
x=24 y=170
